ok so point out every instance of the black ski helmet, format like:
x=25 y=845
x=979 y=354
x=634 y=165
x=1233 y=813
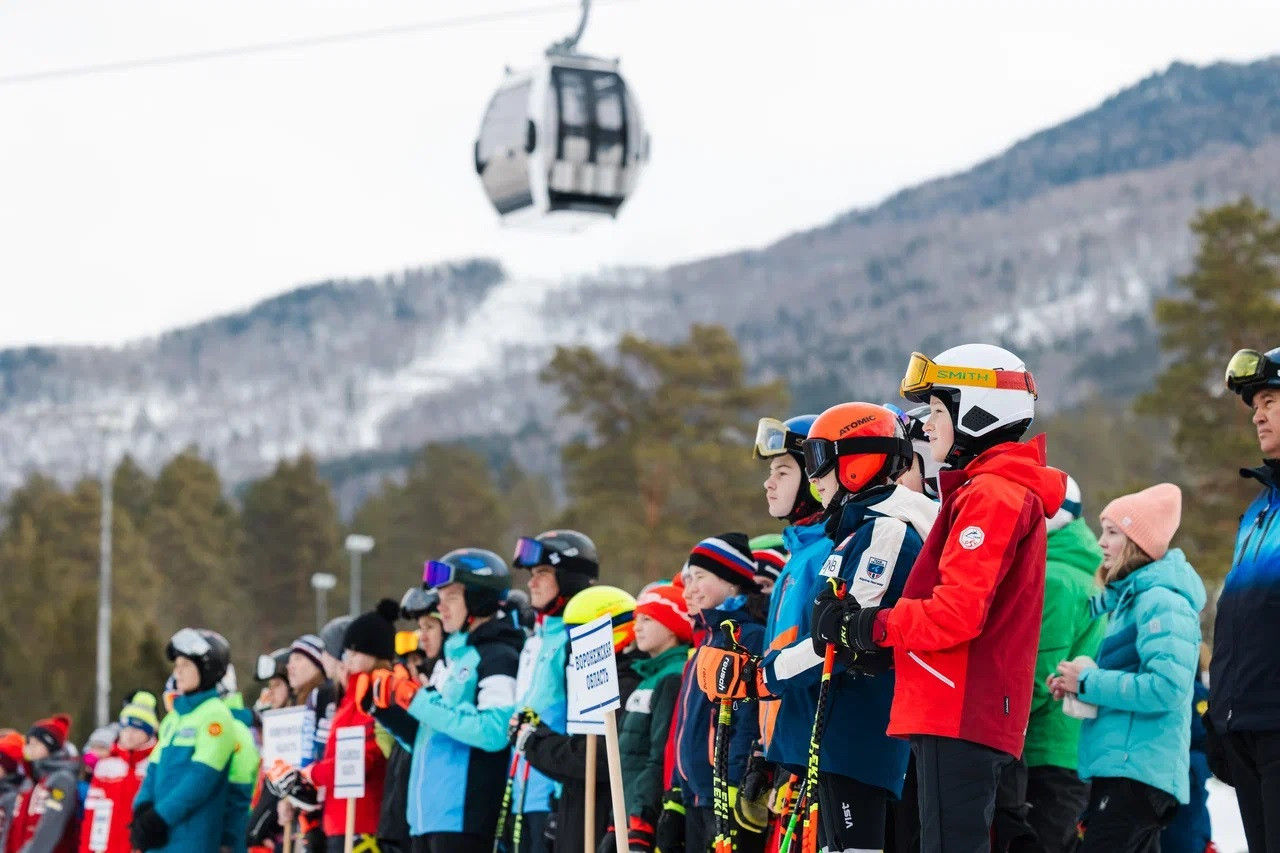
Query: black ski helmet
x=484 y=576
x=208 y=650
x=517 y=606
x=573 y=556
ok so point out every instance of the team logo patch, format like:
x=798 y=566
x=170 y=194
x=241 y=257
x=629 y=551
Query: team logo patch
x=876 y=567
x=971 y=537
x=831 y=567
x=215 y=729
x=57 y=794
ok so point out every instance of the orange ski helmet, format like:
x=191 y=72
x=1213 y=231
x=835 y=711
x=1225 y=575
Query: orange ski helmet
x=865 y=443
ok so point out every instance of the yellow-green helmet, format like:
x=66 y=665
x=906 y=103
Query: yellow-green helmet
x=593 y=602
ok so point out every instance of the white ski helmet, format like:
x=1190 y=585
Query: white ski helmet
x=989 y=389
x=1072 y=507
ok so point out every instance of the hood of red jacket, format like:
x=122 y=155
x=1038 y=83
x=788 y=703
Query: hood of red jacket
x=1024 y=463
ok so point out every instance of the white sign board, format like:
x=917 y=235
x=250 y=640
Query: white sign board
x=348 y=771
x=287 y=735
x=593 y=676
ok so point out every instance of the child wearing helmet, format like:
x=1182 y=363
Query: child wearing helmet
x=460 y=746
x=964 y=631
x=853 y=454
x=182 y=802
x=561 y=564
x=563 y=757
x=721 y=576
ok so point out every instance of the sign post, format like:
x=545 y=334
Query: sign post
x=348 y=779
x=594 y=698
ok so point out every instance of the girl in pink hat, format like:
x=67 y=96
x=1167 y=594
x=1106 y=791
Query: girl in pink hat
x=1136 y=699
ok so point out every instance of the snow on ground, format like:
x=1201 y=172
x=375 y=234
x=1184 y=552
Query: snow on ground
x=1228 y=833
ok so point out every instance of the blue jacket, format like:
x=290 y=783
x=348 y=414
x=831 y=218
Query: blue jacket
x=878 y=535
x=1143 y=682
x=790 y=605
x=187 y=777
x=540 y=685
x=1245 y=693
x=698 y=713
x=460 y=754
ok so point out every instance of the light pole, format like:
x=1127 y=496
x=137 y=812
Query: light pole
x=322 y=582
x=106 y=425
x=356 y=545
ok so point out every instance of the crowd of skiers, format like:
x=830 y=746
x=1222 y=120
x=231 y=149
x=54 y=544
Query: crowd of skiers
x=936 y=654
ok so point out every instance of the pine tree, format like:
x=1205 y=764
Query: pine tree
x=291 y=531
x=663 y=456
x=1229 y=301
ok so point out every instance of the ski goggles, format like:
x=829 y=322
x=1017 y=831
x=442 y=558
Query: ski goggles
x=821 y=454
x=923 y=373
x=1250 y=367
x=436 y=574
x=406 y=642
x=189 y=643
x=530 y=553
x=266 y=668
x=774 y=439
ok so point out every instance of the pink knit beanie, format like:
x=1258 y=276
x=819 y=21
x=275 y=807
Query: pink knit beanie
x=1149 y=517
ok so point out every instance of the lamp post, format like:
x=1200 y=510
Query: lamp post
x=356 y=545
x=108 y=425
x=322 y=582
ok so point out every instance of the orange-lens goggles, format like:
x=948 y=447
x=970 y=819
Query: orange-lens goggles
x=923 y=373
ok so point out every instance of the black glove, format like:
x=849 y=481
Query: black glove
x=1215 y=751
x=758 y=779
x=669 y=834
x=148 y=830
x=608 y=844
x=553 y=823
x=518 y=719
x=845 y=623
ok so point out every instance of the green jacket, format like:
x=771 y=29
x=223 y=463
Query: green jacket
x=242 y=776
x=1066 y=631
x=642 y=735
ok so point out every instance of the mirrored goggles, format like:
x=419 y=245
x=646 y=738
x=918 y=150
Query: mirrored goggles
x=1249 y=367
x=190 y=643
x=436 y=574
x=822 y=454
x=529 y=553
x=265 y=669
x=923 y=373
x=774 y=439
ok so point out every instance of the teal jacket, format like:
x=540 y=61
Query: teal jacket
x=646 y=723
x=540 y=685
x=187 y=777
x=1067 y=631
x=1144 y=678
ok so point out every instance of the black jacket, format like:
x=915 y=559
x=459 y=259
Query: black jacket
x=564 y=758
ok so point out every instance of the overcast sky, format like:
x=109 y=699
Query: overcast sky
x=135 y=201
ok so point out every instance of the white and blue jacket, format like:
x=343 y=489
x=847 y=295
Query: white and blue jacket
x=878 y=534
x=540 y=685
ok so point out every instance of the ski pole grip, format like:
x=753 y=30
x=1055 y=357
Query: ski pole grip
x=837 y=586
x=730 y=630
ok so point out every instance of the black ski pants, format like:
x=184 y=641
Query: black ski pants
x=1125 y=816
x=850 y=814
x=1057 y=797
x=957 y=781
x=1253 y=759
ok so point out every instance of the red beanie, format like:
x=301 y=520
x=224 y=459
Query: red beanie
x=665 y=604
x=51 y=732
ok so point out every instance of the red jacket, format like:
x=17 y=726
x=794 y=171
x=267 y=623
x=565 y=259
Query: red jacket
x=967 y=626
x=46 y=812
x=368 y=807
x=108 y=807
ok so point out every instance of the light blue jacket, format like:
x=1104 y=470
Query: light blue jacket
x=540 y=685
x=1145 y=676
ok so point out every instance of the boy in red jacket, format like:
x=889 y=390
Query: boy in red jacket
x=45 y=819
x=108 y=807
x=965 y=631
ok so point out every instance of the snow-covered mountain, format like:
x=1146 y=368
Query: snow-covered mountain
x=1057 y=248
